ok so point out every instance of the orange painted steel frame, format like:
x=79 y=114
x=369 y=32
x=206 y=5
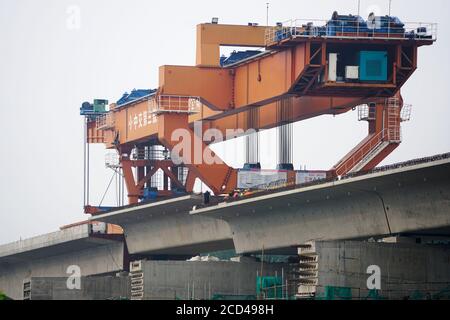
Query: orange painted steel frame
x=211 y=36
x=290 y=71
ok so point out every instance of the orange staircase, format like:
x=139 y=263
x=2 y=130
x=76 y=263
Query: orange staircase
x=377 y=145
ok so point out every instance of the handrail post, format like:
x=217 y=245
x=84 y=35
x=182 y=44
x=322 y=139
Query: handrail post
x=389 y=27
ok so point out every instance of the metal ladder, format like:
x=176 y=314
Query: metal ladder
x=390 y=135
x=26 y=289
x=393 y=120
x=137 y=280
x=308 y=271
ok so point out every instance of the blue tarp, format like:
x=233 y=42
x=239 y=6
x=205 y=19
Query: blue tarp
x=346 y=24
x=237 y=56
x=134 y=95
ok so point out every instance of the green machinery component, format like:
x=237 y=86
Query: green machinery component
x=100 y=105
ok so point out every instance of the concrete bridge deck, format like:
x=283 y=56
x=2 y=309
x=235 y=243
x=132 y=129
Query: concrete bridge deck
x=51 y=255
x=406 y=200
x=52 y=244
x=400 y=199
x=166 y=228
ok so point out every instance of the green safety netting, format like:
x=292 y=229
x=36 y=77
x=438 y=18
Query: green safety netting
x=4 y=296
x=269 y=287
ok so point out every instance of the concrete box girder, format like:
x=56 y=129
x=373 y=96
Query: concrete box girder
x=52 y=244
x=402 y=200
x=166 y=228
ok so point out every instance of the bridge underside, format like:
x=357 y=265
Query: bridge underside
x=412 y=201
x=166 y=228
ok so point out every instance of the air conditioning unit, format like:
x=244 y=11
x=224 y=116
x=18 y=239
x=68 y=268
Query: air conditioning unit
x=352 y=72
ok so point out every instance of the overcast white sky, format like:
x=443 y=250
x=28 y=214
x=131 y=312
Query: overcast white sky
x=47 y=70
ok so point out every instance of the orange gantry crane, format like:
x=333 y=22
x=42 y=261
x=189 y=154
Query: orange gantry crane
x=307 y=69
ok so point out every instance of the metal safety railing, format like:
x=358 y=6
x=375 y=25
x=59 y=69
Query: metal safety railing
x=112 y=160
x=405 y=114
x=366 y=113
x=150 y=154
x=342 y=29
x=105 y=121
x=361 y=153
x=388 y=135
x=174 y=104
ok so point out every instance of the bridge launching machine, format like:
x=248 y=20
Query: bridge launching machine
x=308 y=68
